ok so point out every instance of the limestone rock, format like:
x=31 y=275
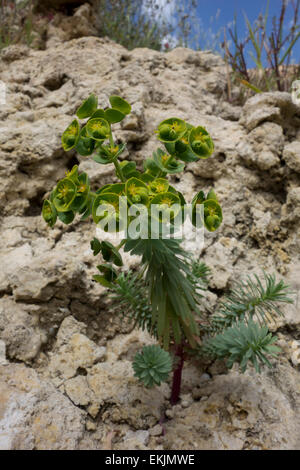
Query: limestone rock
x=34 y=415
x=74 y=351
x=57 y=321
x=291 y=155
x=241 y=412
x=274 y=106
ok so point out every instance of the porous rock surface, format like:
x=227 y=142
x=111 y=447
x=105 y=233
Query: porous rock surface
x=65 y=374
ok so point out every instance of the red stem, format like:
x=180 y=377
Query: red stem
x=177 y=375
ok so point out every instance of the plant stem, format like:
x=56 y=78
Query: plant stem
x=119 y=170
x=177 y=375
x=116 y=162
x=121 y=244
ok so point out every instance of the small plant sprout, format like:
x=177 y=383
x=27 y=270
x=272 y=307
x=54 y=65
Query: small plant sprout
x=164 y=295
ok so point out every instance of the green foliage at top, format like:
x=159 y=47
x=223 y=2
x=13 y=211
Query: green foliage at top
x=93 y=137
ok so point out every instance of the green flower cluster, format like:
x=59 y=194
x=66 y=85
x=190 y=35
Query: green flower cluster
x=71 y=195
x=183 y=143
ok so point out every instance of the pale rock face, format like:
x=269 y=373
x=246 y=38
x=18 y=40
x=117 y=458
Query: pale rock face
x=291 y=155
x=34 y=415
x=274 y=107
x=239 y=412
x=78 y=383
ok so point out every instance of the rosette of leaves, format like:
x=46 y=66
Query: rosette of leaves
x=152 y=365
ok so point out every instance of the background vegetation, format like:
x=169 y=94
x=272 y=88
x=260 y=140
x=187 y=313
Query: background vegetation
x=162 y=25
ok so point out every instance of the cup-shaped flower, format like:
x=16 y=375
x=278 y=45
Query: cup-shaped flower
x=107 y=153
x=182 y=144
x=171 y=130
x=98 y=129
x=167 y=163
x=88 y=107
x=159 y=185
x=64 y=194
x=85 y=145
x=212 y=215
x=49 y=213
x=73 y=174
x=165 y=206
x=70 y=136
x=83 y=189
x=136 y=191
x=201 y=142
x=109 y=212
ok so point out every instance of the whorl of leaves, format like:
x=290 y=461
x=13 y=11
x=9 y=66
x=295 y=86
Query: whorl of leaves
x=152 y=365
x=242 y=343
x=252 y=297
x=130 y=294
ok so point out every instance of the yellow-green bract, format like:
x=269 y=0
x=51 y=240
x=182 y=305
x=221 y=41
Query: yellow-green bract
x=98 y=129
x=171 y=130
x=201 y=142
x=88 y=107
x=70 y=136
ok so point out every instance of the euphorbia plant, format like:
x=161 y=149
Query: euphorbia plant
x=164 y=294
